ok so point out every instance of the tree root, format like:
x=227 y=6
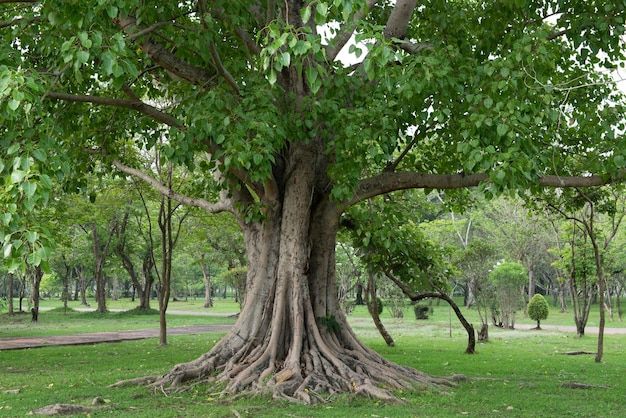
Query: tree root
x=137 y=381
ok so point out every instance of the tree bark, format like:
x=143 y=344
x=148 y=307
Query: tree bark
x=37 y=275
x=372 y=306
x=10 y=294
x=291 y=338
x=208 y=296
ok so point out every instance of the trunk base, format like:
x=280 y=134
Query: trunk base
x=246 y=368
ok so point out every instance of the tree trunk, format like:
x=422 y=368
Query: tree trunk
x=531 y=284
x=618 y=302
x=37 y=276
x=359 y=293
x=483 y=334
x=372 y=306
x=208 y=297
x=291 y=338
x=601 y=291
x=76 y=289
x=10 y=294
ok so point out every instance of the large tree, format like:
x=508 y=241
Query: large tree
x=252 y=97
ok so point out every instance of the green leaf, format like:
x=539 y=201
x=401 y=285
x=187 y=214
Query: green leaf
x=31 y=236
x=488 y=102
x=84 y=40
x=39 y=155
x=305 y=14
x=17 y=176
x=502 y=129
x=8 y=248
x=13 y=104
x=112 y=12
x=13 y=149
x=29 y=188
x=285 y=59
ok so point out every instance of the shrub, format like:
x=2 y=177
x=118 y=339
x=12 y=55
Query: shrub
x=421 y=311
x=538 y=309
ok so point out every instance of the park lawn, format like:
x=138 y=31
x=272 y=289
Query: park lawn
x=441 y=314
x=517 y=374
x=220 y=306
x=57 y=322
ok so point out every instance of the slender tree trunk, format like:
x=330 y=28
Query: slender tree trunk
x=208 y=297
x=618 y=302
x=601 y=291
x=359 y=293
x=76 y=289
x=10 y=294
x=36 y=276
x=531 y=283
x=372 y=306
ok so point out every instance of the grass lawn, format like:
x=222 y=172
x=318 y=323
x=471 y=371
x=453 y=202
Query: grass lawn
x=57 y=322
x=518 y=373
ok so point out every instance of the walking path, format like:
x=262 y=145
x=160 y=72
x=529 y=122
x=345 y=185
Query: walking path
x=15 y=343
x=571 y=328
x=169 y=312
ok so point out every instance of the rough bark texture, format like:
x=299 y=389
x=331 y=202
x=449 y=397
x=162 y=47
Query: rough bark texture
x=292 y=339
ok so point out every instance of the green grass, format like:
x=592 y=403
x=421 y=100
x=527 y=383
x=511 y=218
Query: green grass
x=521 y=370
x=57 y=322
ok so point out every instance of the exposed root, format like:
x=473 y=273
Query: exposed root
x=138 y=381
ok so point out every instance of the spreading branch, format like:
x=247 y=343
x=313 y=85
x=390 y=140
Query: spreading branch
x=224 y=205
x=387 y=182
x=399 y=18
x=134 y=104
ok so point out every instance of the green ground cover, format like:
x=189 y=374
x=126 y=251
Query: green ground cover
x=518 y=373
x=57 y=322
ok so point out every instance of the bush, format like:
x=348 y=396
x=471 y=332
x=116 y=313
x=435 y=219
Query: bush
x=538 y=309
x=421 y=311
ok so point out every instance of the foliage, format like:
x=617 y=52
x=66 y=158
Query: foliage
x=538 y=308
x=508 y=279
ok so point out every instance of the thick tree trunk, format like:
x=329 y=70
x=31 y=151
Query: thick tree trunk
x=531 y=284
x=10 y=294
x=291 y=338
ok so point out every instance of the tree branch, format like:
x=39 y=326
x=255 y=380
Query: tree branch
x=223 y=205
x=345 y=33
x=399 y=18
x=387 y=182
x=134 y=104
x=165 y=59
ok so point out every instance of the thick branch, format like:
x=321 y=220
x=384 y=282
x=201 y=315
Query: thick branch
x=387 y=182
x=399 y=18
x=342 y=38
x=164 y=58
x=222 y=206
x=134 y=104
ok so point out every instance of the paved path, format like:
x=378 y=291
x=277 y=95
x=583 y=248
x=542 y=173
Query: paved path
x=15 y=343
x=571 y=328
x=169 y=312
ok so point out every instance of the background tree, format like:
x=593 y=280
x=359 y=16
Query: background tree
x=508 y=279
